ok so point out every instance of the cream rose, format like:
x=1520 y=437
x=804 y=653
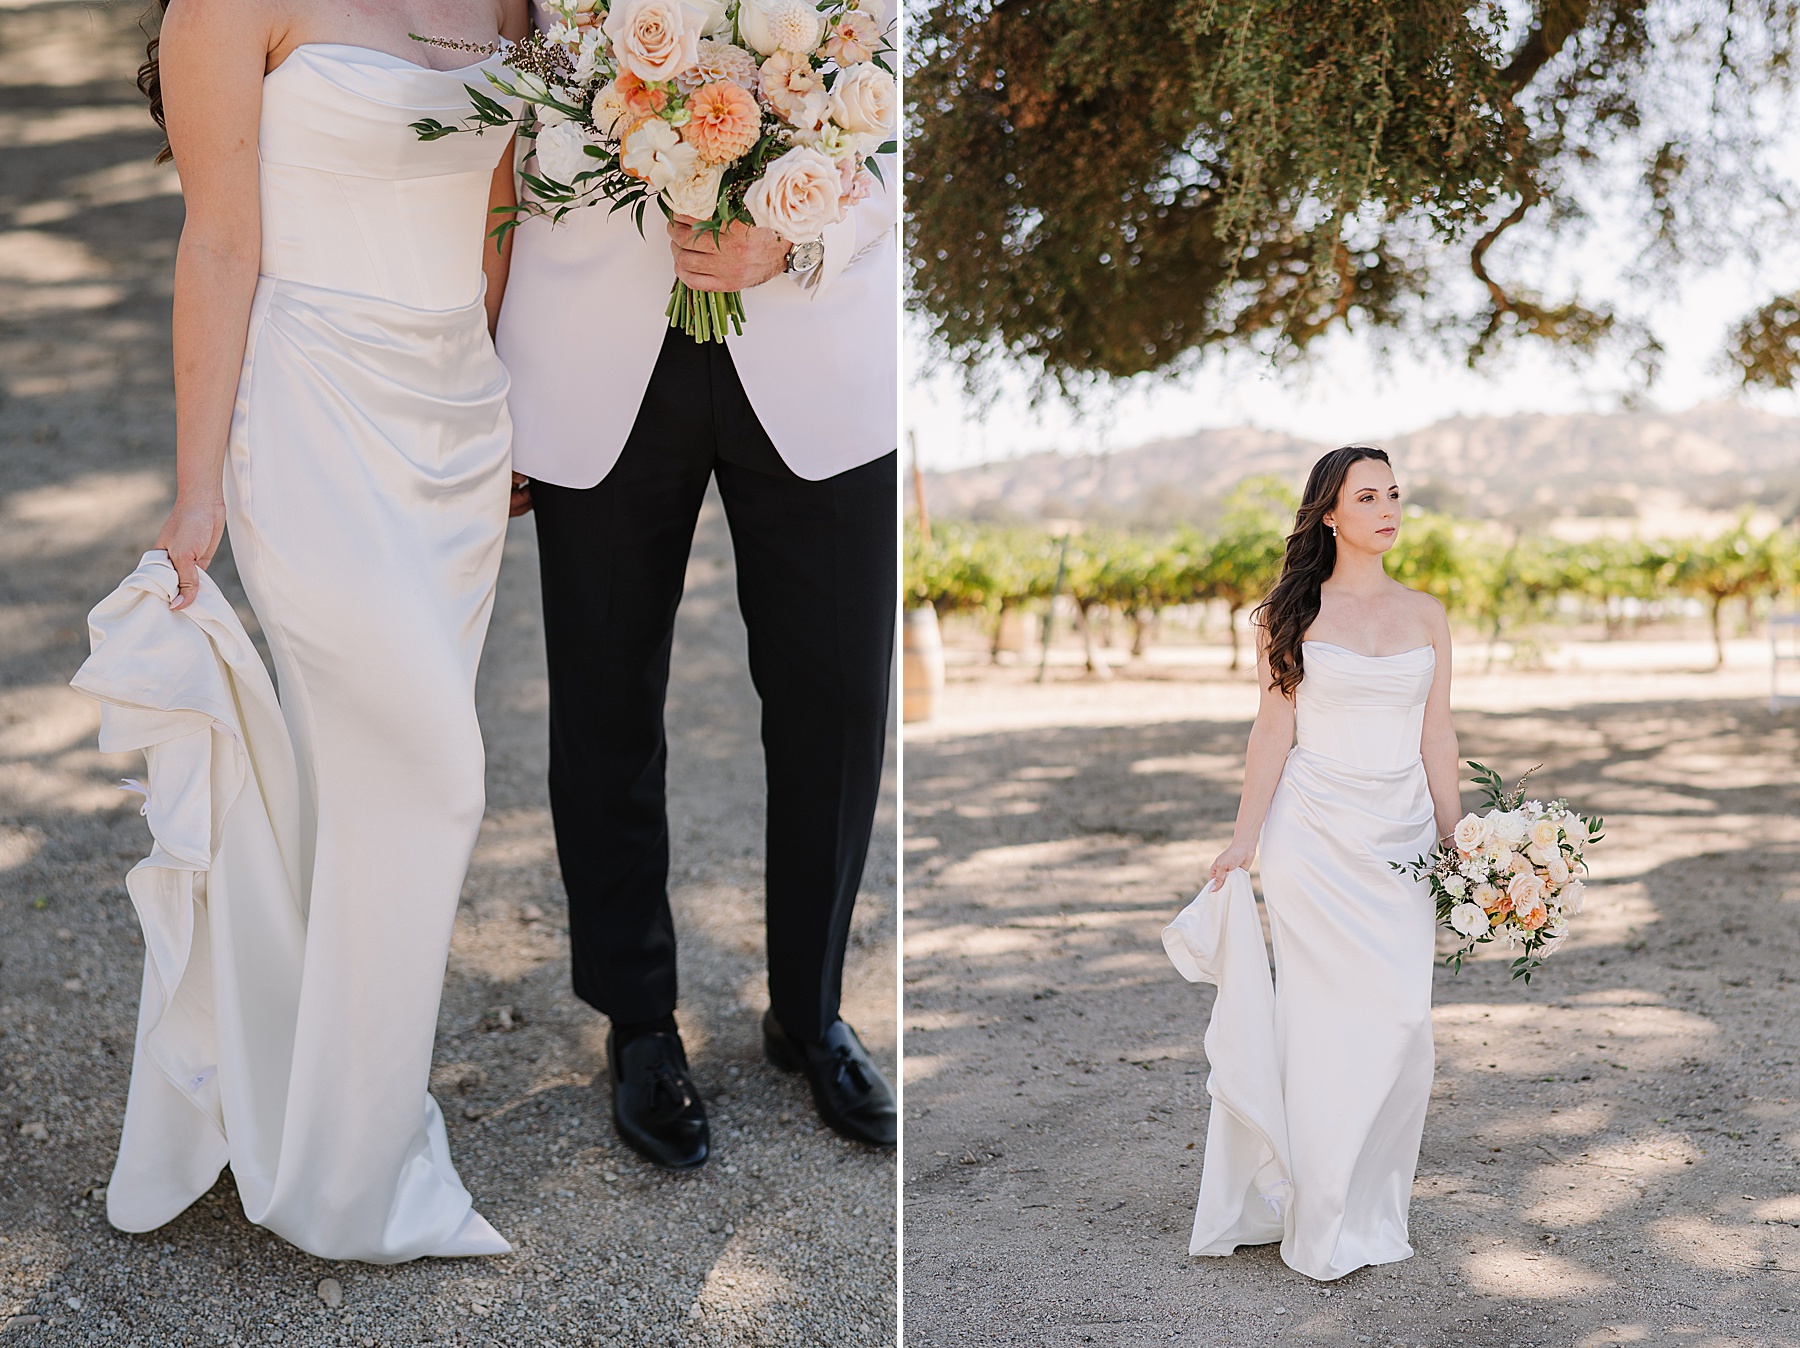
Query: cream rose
x=1544 y=833
x=1486 y=895
x=1468 y=919
x=654 y=152
x=1526 y=891
x=696 y=195
x=1557 y=870
x=562 y=153
x=1455 y=886
x=797 y=196
x=862 y=100
x=610 y=112
x=1571 y=898
x=1472 y=833
x=655 y=39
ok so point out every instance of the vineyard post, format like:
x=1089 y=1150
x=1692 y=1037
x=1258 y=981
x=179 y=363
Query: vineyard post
x=1062 y=570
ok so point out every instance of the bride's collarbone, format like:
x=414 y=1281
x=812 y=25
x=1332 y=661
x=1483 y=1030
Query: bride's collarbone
x=316 y=25
x=1376 y=642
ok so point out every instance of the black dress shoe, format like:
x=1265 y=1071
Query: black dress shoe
x=849 y=1090
x=655 y=1105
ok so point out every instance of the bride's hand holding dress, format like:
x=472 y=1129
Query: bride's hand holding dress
x=339 y=404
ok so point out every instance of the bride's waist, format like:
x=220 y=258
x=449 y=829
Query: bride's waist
x=413 y=242
x=1359 y=762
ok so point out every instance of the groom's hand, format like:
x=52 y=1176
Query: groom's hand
x=742 y=256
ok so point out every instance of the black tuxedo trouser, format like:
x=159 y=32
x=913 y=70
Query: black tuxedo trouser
x=817 y=590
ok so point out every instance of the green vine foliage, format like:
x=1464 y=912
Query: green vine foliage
x=1107 y=188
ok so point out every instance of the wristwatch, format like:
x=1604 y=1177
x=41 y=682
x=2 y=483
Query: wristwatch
x=804 y=258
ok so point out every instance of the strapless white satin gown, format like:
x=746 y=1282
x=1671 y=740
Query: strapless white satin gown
x=1320 y=1085
x=366 y=486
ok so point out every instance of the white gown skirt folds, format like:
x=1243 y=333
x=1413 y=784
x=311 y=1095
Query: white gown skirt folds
x=292 y=988
x=1319 y=1083
x=296 y=963
x=367 y=492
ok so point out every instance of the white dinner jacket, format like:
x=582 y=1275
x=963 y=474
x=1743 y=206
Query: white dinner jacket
x=583 y=320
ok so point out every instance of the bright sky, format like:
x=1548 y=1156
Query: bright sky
x=1350 y=391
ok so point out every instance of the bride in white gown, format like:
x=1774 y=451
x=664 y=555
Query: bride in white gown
x=339 y=403
x=1320 y=1088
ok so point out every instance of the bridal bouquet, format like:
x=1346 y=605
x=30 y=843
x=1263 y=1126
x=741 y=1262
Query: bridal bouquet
x=1511 y=874
x=761 y=111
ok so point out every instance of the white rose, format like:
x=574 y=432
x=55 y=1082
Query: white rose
x=716 y=21
x=655 y=39
x=1468 y=919
x=1455 y=885
x=769 y=26
x=1571 y=897
x=1509 y=827
x=696 y=195
x=655 y=153
x=797 y=196
x=1472 y=833
x=562 y=152
x=862 y=100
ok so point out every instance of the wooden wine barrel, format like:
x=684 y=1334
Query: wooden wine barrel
x=922 y=664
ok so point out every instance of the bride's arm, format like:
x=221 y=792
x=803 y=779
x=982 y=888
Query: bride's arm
x=1270 y=739
x=212 y=55
x=514 y=21
x=1437 y=741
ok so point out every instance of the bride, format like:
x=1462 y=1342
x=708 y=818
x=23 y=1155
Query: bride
x=339 y=404
x=1351 y=765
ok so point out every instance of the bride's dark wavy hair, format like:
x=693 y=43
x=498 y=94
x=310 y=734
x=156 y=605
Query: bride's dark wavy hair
x=149 y=83
x=1293 y=602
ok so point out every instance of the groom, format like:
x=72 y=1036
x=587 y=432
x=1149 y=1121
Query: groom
x=619 y=424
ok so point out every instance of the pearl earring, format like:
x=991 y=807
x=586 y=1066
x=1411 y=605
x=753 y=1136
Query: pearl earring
x=1333 y=529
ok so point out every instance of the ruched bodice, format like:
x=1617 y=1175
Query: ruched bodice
x=352 y=199
x=1366 y=711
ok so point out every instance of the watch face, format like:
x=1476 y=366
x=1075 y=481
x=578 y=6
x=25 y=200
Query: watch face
x=806 y=256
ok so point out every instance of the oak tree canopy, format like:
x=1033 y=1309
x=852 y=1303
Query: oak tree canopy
x=1110 y=187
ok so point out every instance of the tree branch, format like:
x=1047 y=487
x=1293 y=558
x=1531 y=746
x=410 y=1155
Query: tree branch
x=1559 y=21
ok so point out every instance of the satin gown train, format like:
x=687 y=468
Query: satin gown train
x=1320 y=1084
x=367 y=485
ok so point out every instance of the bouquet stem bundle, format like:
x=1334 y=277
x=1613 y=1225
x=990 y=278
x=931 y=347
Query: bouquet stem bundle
x=704 y=314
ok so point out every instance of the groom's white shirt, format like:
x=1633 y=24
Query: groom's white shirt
x=583 y=321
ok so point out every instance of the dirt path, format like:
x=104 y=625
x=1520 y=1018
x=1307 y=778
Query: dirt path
x=786 y=1239
x=1610 y=1156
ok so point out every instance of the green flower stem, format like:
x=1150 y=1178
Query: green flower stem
x=705 y=315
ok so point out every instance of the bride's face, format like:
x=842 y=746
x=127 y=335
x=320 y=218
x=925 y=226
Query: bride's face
x=1367 y=516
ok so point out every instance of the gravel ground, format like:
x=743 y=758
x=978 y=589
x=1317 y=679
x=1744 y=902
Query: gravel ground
x=787 y=1238
x=1610 y=1156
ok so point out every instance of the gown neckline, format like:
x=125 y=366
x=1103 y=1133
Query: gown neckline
x=377 y=51
x=1411 y=650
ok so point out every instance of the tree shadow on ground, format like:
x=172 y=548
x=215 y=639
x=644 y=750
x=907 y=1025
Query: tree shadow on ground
x=1608 y=1155
x=788 y=1237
